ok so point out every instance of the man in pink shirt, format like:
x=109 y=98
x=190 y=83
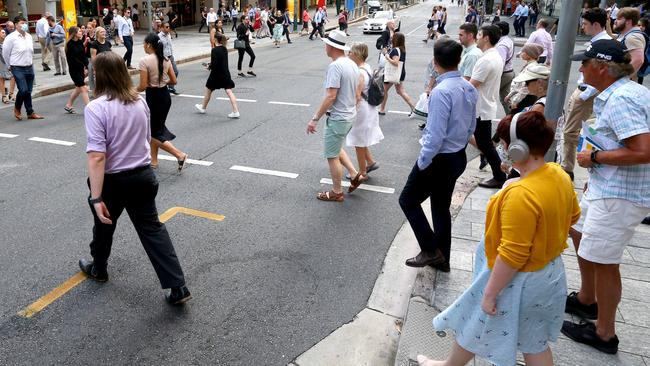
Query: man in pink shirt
x=541 y=36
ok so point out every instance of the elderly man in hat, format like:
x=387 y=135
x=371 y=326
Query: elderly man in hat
x=339 y=105
x=615 y=202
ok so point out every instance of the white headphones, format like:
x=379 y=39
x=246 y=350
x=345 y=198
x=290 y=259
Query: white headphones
x=517 y=149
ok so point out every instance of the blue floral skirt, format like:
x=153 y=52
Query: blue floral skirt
x=530 y=311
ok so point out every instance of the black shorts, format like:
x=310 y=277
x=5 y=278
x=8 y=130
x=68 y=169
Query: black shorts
x=135 y=17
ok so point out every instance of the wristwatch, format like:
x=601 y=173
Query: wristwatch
x=594 y=155
x=92 y=201
x=315 y=119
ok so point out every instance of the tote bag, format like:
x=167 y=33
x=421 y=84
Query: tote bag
x=393 y=73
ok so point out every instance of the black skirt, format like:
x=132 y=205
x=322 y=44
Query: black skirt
x=219 y=82
x=159 y=102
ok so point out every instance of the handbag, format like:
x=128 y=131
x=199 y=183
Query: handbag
x=393 y=73
x=421 y=110
x=239 y=44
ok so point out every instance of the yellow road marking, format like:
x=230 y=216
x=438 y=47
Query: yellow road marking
x=40 y=304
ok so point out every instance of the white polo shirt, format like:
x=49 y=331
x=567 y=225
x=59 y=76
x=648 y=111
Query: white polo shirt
x=488 y=71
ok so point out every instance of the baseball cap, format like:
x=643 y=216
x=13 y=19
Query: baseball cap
x=534 y=72
x=604 y=50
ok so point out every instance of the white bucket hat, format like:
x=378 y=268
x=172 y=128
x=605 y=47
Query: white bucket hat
x=336 y=39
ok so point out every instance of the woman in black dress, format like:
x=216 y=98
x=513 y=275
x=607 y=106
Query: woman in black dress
x=155 y=74
x=219 y=77
x=75 y=53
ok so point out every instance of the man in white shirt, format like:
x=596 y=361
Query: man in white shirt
x=42 y=27
x=581 y=102
x=506 y=49
x=125 y=33
x=18 y=53
x=541 y=36
x=211 y=18
x=486 y=78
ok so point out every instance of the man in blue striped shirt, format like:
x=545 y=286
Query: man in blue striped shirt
x=450 y=123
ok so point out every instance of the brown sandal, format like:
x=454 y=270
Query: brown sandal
x=356 y=182
x=330 y=196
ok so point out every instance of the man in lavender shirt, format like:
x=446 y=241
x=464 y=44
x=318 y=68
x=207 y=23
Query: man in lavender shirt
x=541 y=36
x=121 y=177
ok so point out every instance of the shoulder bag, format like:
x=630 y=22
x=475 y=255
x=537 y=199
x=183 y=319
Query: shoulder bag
x=393 y=73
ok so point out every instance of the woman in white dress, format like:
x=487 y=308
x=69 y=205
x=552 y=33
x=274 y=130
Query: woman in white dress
x=365 y=132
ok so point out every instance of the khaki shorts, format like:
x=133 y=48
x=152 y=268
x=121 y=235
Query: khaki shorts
x=607 y=225
x=335 y=132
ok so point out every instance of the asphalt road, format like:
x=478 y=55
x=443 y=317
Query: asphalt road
x=278 y=274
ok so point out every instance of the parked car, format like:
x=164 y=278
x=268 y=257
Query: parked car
x=377 y=22
x=373 y=6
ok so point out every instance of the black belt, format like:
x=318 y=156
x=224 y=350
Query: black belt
x=128 y=172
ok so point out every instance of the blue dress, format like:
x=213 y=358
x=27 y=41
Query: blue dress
x=530 y=311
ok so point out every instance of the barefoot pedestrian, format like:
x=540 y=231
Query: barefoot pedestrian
x=219 y=77
x=156 y=74
x=120 y=177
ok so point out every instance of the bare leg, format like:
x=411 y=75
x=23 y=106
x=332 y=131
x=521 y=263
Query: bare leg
x=402 y=93
x=84 y=95
x=347 y=163
x=154 y=152
x=12 y=85
x=457 y=357
x=369 y=158
x=73 y=96
x=206 y=97
x=166 y=146
x=587 y=293
x=544 y=358
x=361 y=159
x=233 y=100
x=336 y=171
x=608 y=294
x=387 y=86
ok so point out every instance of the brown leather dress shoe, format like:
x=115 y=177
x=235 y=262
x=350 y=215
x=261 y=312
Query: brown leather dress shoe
x=35 y=116
x=17 y=115
x=426 y=259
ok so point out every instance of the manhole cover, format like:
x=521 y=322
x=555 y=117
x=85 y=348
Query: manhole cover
x=244 y=90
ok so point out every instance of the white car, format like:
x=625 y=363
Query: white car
x=377 y=21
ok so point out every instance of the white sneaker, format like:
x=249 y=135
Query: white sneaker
x=199 y=107
x=233 y=115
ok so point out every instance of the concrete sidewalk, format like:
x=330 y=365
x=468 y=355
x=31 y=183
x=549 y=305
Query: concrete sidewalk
x=434 y=291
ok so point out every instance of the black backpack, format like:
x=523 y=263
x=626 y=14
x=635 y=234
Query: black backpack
x=375 y=88
x=644 y=70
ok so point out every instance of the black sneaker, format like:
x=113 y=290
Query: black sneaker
x=251 y=73
x=92 y=271
x=483 y=163
x=574 y=306
x=585 y=332
x=178 y=295
x=421 y=126
x=491 y=183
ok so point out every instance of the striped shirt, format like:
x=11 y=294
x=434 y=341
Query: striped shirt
x=622 y=111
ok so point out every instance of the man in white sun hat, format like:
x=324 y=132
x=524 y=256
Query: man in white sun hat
x=339 y=104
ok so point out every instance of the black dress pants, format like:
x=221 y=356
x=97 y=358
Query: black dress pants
x=483 y=136
x=250 y=53
x=128 y=43
x=436 y=182
x=135 y=190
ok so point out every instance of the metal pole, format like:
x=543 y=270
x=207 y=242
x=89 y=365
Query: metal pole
x=561 y=67
x=296 y=11
x=150 y=11
x=23 y=5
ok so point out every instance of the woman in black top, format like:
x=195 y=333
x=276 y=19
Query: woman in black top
x=99 y=45
x=77 y=66
x=397 y=54
x=243 y=34
x=219 y=77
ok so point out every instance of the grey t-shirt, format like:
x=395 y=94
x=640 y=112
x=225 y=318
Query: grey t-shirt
x=343 y=74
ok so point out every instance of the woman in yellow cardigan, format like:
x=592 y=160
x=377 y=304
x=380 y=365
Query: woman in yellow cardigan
x=516 y=301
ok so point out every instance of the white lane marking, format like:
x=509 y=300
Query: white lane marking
x=189 y=161
x=8 y=135
x=399 y=112
x=219 y=98
x=52 y=141
x=264 y=171
x=239 y=100
x=287 y=103
x=367 y=187
x=413 y=31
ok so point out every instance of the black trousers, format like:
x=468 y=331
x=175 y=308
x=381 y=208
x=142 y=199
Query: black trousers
x=250 y=53
x=203 y=24
x=135 y=190
x=318 y=28
x=285 y=31
x=483 y=136
x=436 y=182
x=128 y=43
